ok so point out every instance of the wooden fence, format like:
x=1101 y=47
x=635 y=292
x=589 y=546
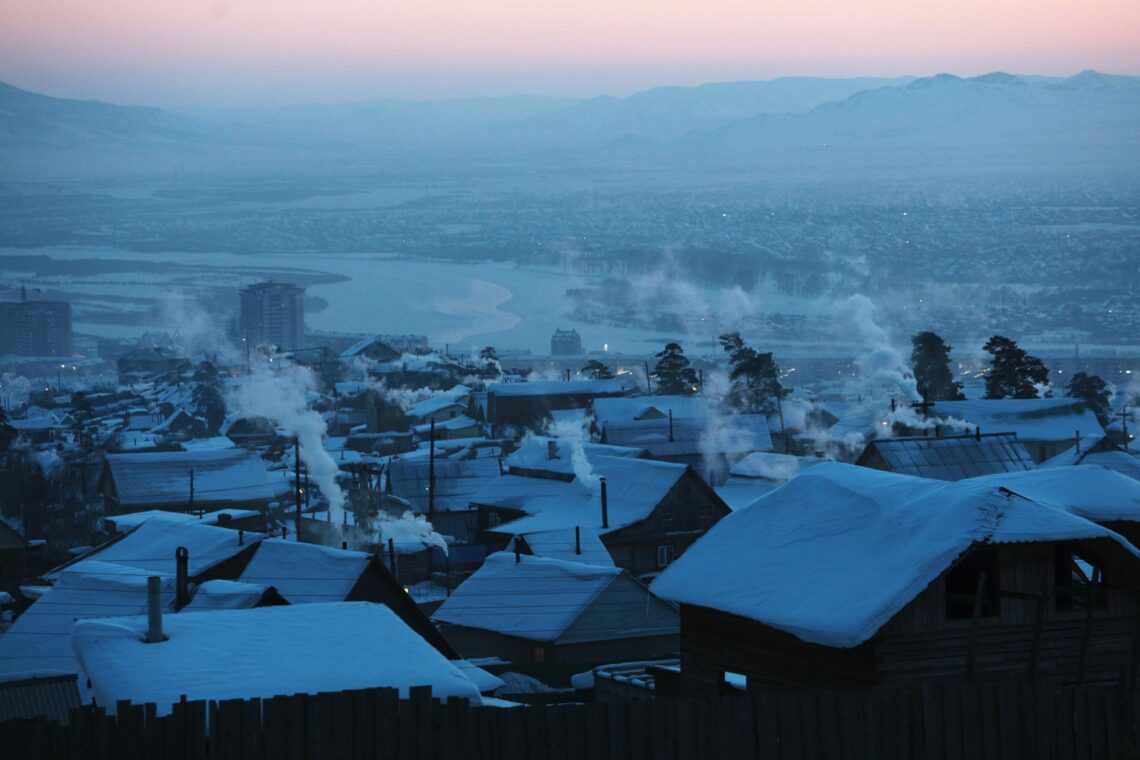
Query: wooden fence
x=958 y=721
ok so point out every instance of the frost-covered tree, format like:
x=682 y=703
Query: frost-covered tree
x=675 y=377
x=1093 y=391
x=755 y=377
x=930 y=359
x=597 y=370
x=207 y=397
x=1013 y=373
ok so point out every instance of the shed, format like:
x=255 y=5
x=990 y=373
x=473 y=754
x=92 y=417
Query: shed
x=951 y=457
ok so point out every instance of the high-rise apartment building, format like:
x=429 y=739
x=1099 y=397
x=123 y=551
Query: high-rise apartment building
x=35 y=328
x=272 y=313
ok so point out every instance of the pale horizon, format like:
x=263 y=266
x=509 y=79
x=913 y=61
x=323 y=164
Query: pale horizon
x=260 y=52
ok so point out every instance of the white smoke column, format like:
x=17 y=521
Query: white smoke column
x=408 y=528
x=278 y=394
x=882 y=366
x=572 y=434
x=722 y=434
x=15 y=390
x=197 y=331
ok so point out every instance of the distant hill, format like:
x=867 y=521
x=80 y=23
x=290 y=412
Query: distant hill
x=1087 y=115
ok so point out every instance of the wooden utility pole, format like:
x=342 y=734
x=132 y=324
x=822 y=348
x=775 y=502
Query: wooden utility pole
x=190 y=503
x=431 y=488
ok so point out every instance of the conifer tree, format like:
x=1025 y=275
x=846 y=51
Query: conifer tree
x=755 y=376
x=597 y=370
x=674 y=375
x=930 y=359
x=1013 y=373
x=1093 y=391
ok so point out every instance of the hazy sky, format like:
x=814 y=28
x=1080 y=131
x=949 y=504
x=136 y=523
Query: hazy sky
x=170 y=52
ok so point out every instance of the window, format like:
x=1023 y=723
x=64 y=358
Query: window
x=735 y=682
x=962 y=586
x=668 y=511
x=1078 y=580
x=538 y=654
x=664 y=555
x=493 y=520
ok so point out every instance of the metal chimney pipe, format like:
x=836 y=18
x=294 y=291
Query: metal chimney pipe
x=182 y=577
x=153 y=609
x=605 y=506
x=670 y=426
x=552 y=449
x=518 y=550
x=577 y=539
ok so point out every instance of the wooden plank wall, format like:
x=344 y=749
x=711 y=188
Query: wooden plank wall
x=932 y=722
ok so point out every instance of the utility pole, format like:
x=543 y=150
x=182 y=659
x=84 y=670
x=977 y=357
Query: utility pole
x=190 y=504
x=431 y=488
x=297 y=483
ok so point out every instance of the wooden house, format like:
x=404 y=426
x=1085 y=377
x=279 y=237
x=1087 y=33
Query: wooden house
x=13 y=558
x=646 y=513
x=1101 y=451
x=524 y=406
x=534 y=609
x=456 y=481
x=143 y=363
x=850 y=577
x=760 y=473
x=949 y=457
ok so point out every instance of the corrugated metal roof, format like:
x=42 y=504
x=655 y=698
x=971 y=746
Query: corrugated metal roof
x=455 y=481
x=50 y=696
x=952 y=457
x=163 y=478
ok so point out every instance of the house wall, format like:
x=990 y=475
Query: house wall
x=472 y=642
x=685 y=514
x=624 y=605
x=921 y=643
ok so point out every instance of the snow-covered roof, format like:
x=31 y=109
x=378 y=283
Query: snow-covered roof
x=563 y=544
x=951 y=457
x=777 y=468
x=151 y=546
x=634 y=489
x=560 y=388
x=455 y=397
x=39 y=638
x=1036 y=419
x=836 y=552
x=734 y=434
x=536 y=598
x=263 y=652
x=1094 y=493
x=208 y=444
x=359 y=346
x=163 y=478
x=132 y=520
x=533 y=453
x=225 y=595
x=739 y=492
x=462 y=422
x=305 y=573
x=1092 y=450
x=650 y=407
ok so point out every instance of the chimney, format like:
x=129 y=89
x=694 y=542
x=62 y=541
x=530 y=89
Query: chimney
x=937 y=431
x=670 y=426
x=153 y=609
x=241 y=537
x=1078 y=442
x=605 y=506
x=894 y=405
x=518 y=550
x=577 y=539
x=978 y=433
x=225 y=519
x=552 y=449
x=501 y=465
x=182 y=579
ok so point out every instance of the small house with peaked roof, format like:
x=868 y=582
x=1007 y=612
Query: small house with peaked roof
x=848 y=576
x=536 y=609
x=950 y=457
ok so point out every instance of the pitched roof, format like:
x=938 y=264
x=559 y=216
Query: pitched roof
x=729 y=434
x=533 y=453
x=836 y=552
x=226 y=595
x=559 y=388
x=150 y=547
x=163 y=478
x=263 y=652
x=455 y=481
x=536 y=598
x=39 y=639
x=305 y=573
x=1036 y=419
x=634 y=489
x=950 y=457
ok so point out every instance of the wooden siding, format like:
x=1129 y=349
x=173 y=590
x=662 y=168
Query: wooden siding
x=624 y=605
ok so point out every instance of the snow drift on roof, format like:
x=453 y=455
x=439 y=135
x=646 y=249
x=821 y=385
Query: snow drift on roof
x=835 y=553
x=225 y=595
x=1094 y=493
x=564 y=544
x=647 y=407
x=536 y=598
x=262 y=652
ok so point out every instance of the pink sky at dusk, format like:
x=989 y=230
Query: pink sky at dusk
x=175 y=52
